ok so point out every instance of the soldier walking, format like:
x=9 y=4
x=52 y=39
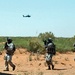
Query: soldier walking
x=50 y=51
x=10 y=49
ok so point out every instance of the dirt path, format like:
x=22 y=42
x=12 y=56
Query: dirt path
x=33 y=65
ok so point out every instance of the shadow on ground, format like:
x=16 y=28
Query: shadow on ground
x=60 y=69
x=5 y=74
x=57 y=69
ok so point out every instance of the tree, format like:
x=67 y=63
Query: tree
x=46 y=35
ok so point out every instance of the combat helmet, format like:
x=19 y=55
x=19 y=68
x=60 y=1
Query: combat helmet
x=9 y=40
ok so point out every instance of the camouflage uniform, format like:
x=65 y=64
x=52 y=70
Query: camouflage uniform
x=9 y=53
x=50 y=51
x=49 y=60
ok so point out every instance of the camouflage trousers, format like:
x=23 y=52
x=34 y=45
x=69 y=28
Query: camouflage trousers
x=49 y=59
x=8 y=60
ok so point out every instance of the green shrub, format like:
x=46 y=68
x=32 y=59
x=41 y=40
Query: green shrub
x=36 y=43
x=34 y=46
x=46 y=35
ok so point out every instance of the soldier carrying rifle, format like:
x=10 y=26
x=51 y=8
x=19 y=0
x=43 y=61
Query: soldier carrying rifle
x=10 y=49
x=50 y=51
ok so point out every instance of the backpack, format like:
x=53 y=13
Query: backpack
x=51 y=48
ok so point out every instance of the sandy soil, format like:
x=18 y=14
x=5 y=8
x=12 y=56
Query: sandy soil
x=34 y=64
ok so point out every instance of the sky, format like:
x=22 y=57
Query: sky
x=56 y=16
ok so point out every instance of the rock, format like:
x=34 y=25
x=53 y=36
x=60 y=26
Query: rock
x=39 y=64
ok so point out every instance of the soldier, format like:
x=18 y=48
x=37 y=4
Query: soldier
x=10 y=49
x=74 y=47
x=45 y=43
x=50 y=51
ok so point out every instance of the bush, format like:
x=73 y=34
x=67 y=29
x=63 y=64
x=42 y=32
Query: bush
x=35 y=45
x=46 y=35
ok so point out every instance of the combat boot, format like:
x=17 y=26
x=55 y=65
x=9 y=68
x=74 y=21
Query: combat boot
x=52 y=67
x=49 y=68
x=7 y=69
x=14 y=67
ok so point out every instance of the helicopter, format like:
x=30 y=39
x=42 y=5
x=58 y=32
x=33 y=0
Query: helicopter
x=26 y=16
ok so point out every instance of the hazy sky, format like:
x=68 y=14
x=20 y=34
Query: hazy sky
x=56 y=16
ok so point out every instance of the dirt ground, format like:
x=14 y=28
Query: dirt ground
x=34 y=64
